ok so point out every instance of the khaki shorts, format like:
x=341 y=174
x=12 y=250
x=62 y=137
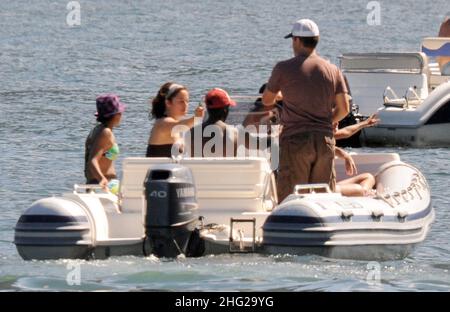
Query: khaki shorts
x=304 y=159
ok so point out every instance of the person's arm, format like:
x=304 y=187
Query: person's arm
x=272 y=88
x=256 y=118
x=351 y=130
x=350 y=167
x=341 y=98
x=269 y=97
x=267 y=118
x=102 y=144
x=169 y=123
x=342 y=107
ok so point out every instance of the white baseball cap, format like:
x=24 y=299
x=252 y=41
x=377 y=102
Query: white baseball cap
x=304 y=28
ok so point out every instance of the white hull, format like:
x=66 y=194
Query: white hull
x=419 y=115
x=424 y=136
x=98 y=225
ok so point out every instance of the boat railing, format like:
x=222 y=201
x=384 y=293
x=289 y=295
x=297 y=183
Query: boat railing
x=409 y=100
x=240 y=246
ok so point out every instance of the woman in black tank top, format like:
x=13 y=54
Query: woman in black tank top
x=169 y=108
x=161 y=150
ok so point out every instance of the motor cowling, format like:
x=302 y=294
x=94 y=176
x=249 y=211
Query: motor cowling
x=171 y=216
x=54 y=228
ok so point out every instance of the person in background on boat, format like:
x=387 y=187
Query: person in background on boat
x=264 y=115
x=359 y=185
x=314 y=97
x=444 y=61
x=362 y=184
x=348 y=131
x=218 y=104
x=101 y=148
x=169 y=108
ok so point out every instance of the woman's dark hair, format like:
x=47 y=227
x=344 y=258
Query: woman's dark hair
x=104 y=120
x=263 y=88
x=159 y=102
x=309 y=42
x=216 y=114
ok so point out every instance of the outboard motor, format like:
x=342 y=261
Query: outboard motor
x=171 y=211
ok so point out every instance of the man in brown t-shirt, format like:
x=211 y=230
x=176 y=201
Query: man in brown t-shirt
x=314 y=97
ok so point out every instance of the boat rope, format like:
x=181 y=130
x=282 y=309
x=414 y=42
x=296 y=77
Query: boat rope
x=386 y=198
x=394 y=196
x=418 y=184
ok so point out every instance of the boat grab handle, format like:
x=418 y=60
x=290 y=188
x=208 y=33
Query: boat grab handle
x=311 y=188
x=415 y=96
x=377 y=214
x=386 y=99
x=347 y=215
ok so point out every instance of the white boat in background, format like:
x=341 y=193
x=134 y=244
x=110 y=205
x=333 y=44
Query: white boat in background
x=407 y=90
x=159 y=204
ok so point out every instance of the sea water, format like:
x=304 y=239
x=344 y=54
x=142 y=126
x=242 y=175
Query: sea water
x=51 y=72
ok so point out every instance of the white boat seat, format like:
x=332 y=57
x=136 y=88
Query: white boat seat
x=220 y=182
x=436 y=78
x=132 y=185
x=365 y=163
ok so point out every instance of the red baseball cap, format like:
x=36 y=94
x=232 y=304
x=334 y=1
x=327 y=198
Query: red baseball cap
x=218 y=98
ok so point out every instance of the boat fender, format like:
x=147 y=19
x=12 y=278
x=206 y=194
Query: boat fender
x=347 y=215
x=377 y=214
x=401 y=215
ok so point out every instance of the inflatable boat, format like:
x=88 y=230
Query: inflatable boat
x=200 y=206
x=407 y=90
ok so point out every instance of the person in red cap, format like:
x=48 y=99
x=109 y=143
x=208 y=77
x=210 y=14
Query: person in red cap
x=101 y=148
x=314 y=97
x=214 y=138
